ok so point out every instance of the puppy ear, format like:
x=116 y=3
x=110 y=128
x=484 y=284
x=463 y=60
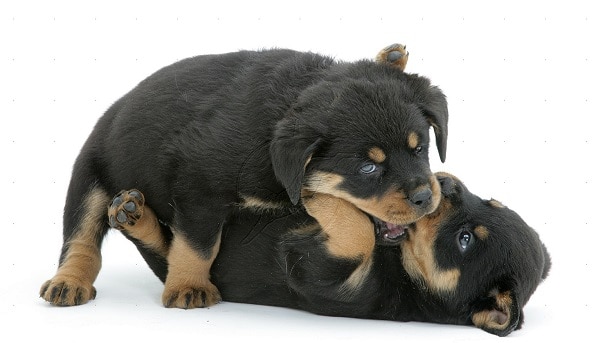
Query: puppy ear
x=498 y=313
x=435 y=108
x=291 y=150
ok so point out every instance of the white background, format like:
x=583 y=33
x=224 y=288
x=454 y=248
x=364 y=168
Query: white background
x=521 y=81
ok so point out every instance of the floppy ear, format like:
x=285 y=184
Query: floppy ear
x=436 y=110
x=291 y=150
x=498 y=313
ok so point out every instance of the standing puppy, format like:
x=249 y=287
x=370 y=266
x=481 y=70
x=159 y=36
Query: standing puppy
x=256 y=129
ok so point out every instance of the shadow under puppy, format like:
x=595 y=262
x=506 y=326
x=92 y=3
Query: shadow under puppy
x=470 y=262
x=255 y=129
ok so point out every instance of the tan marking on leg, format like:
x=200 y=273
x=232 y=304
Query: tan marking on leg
x=350 y=232
x=482 y=232
x=128 y=213
x=496 y=203
x=377 y=155
x=258 y=204
x=395 y=55
x=353 y=284
x=413 y=140
x=418 y=254
x=73 y=282
x=147 y=230
x=393 y=207
x=188 y=280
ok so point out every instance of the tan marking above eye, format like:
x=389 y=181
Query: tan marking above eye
x=481 y=232
x=413 y=140
x=377 y=155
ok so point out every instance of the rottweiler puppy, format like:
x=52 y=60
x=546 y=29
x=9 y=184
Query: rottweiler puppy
x=470 y=262
x=252 y=129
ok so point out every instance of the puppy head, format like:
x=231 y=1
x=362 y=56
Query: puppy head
x=478 y=256
x=364 y=140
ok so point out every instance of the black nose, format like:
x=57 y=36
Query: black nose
x=421 y=198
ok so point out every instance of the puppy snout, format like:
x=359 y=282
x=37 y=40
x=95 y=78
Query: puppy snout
x=421 y=198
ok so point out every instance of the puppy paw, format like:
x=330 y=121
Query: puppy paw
x=125 y=209
x=187 y=297
x=64 y=291
x=395 y=54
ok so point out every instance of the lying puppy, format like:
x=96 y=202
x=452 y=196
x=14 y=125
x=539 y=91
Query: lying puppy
x=254 y=129
x=471 y=262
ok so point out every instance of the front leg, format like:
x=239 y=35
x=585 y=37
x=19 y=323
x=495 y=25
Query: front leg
x=333 y=257
x=350 y=232
x=195 y=245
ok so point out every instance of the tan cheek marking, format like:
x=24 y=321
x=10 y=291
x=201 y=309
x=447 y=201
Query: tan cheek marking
x=418 y=255
x=413 y=140
x=392 y=207
x=482 y=232
x=147 y=230
x=496 y=203
x=377 y=155
x=350 y=232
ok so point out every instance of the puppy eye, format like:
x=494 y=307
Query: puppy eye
x=418 y=150
x=465 y=238
x=368 y=168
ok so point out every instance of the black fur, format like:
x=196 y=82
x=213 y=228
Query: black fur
x=294 y=270
x=205 y=131
x=259 y=129
x=266 y=259
x=198 y=133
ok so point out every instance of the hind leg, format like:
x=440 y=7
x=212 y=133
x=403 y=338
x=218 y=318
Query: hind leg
x=129 y=214
x=80 y=260
x=190 y=259
x=187 y=279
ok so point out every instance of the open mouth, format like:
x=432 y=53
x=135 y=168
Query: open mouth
x=388 y=233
